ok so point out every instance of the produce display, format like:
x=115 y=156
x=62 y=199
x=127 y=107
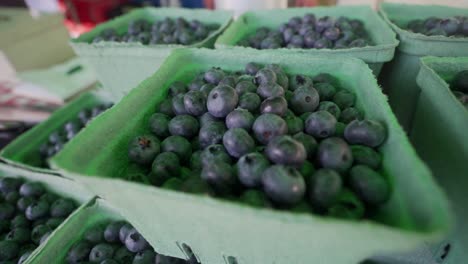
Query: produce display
x=459 y=87
x=310 y=32
x=166 y=31
x=68 y=131
x=433 y=26
x=118 y=242
x=28 y=215
x=266 y=138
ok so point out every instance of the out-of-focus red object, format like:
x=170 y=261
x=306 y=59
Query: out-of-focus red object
x=306 y=2
x=83 y=15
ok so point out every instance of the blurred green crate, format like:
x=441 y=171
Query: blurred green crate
x=122 y=66
x=24 y=150
x=381 y=51
x=215 y=229
x=440 y=136
x=399 y=76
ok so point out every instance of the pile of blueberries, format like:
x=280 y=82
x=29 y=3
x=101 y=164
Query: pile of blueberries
x=433 y=26
x=166 y=31
x=118 y=242
x=69 y=130
x=28 y=214
x=459 y=87
x=310 y=32
x=270 y=139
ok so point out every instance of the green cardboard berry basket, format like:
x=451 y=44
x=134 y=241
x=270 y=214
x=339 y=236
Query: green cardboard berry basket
x=439 y=134
x=216 y=229
x=122 y=66
x=61 y=186
x=375 y=55
x=24 y=150
x=398 y=77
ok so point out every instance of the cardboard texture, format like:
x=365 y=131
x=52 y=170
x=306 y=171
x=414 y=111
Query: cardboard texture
x=439 y=135
x=399 y=76
x=122 y=66
x=61 y=186
x=24 y=150
x=216 y=229
x=381 y=51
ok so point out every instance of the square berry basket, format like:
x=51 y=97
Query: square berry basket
x=220 y=231
x=383 y=38
x=24 y=151
x=122 y=65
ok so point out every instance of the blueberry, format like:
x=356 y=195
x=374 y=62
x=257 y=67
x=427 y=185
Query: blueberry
x=123 y=255
x=211 y=133
x=206 y=118
x=334 y=153
x=165 y=107
x=20 y=235
x=270 y=43
x=339 y=129
x=299 y=80
x=245 y=87
x=196 y=85
x=101 y=252
x=184 y=125
x=194 y=184
x=95 y=234
x=195 y=103
x=304 y=100
x=274 y=105
x=177 y=88
x=206 y=89
x=112 y=230
x=37 y=210
x=40 y=221
x=13 y=197
x=310 y=38
x=25 y=256
x=366 y=156
x=322 y=43
x=31 y=189
x=295 y=124
x=54 y=222
x=173 y=183
x=265 y=76
x=250 y=168
x=294 y=21
x=450 y=26
x=304 y=29
x=324 y=188
x=213 y=154
x=159 y=124
x=229 y=81
x=238 y=142
x=144 y=257
x=323 y=23
x=8 y=250
x=222 y=100
x=23 y=203
x=165 y=165
x=366 y=132
x=309 y=143
x=62 y=207
x=286 y=150
x=330 y=107
x=349 y=114
x=186 y=38
x=309 y=19
x=38 y=232
x=325 y=90
x=332 y=33
x=270 y=90
x=19 y=221
x=240 y=118
x=135 y=242
x=255 y=198
x=369 y=185
x=268 y=126
x=347 y=206
x=288 y=33
x=178 y=106
x=195 y=161
x=297 y=41
x=214 y=76
x=252 y=68
x=220 y=176
x=281 y=77
x=179 y=145
x=9 y=184
x=49 y=197
x=341 y=44
x=79 y=252
x=245 y=77
x=283 y=185
x=320 y=124
x=143 y=149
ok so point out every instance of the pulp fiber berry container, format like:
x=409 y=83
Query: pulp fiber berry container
x=398 y=77
x=61 y=186
x=439 y=135
x=381 y=51
x=122 y=66
x=24 y=150
x=221 y=230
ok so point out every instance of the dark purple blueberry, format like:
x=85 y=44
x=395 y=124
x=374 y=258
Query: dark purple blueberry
x=143 y=149
x=320 y=124
x=334 y=153
x=322 y=43
x=79 y=252
x=222 y=100
x=62 y=207
x=369 y=185
x=240 y=118
x=178 y=106
x=206 y=89
x=214 y=76
x=37 y=210
x=250 y=168
x=330 y=107
x=270 y=90
x=177 y=88
x=295 y=124
x=344 y=99
x=220 y=176
x=238 y=142
x=165 y=107
x=250 y=102
x=309 y=19
x=349 y=114
x=283 y=185
x=323 y=23
x=252 y=68
x=195 y=103
x=310 y=38
x=159 y=124
x=228 y=80
x=332 y=33
x=324 y=188
x=265 y=76
x=268 y=126
x=184 y=125
x=304 y=99
x=211 y=133
x=309 y=143
x=207 y=118
x=164 y=166
x=214 y=154
x=325 y=90
x=286 y=150
x=245 y=87
x=274 y=105
x=101 y=252
x=135 y=242
x=179 y=145
x=111 y=232
x=300 y=81
x=366 y=132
